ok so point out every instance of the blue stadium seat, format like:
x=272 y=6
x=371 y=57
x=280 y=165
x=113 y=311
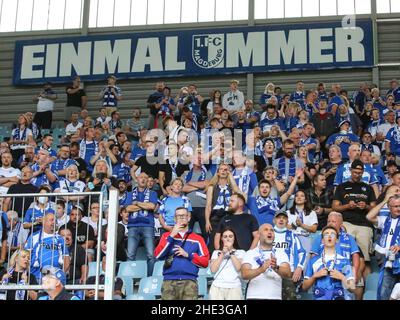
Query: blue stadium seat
x=158 y=268
x=370 y=295
x=306 y=296
x=141 y=297
x=372 y=282
x=202 y=284
x=150 y=285
x=92 y=269
x=130 y=270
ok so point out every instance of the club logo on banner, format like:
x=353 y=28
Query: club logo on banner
x=208 y=50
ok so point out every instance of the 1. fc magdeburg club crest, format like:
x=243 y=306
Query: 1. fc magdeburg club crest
x=208 y=50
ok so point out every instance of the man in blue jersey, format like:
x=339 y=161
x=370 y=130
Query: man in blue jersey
x=389 y=242
x=47 y=247
x=244 y=177
x=392 y=141
x=308 y=141
x=110 y=95
x=269 y=118
x=47 y=143
x=42 y=173
x=329 y=272
x=88 y=148
x=141 y=221
x=299 y=95
x=287 y=242
x=60 y=165
x=343 y=138
x=53 y=281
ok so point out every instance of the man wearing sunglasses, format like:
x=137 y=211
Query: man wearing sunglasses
x=53 y=281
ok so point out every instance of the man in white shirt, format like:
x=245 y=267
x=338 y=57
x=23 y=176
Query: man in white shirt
x=74 y=125
x=383 y=128
x=264 y=268
x=8 y=174
x=45 y=106
x=233 y=100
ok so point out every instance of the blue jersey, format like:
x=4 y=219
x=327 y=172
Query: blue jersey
x=40 y=179
x=46 y=250
x=263 y=209
x=327 y=288
x=299 y=97
x=344 y=147
x=122 y=171
x=60 y=164
x=137 y=152
x=33 y=214
x=125 y=199
x=266 y=123
x=343 y=174
x=52 y=153
x=87 y=149
x=395 y=93
x=246 y=180
x=264 y=98
x=142 y=218
x=346 y=246
x=306 y=142
x=393 y=136
x=289 y=243
x=334 y=100
x=168 y=206
x=290 y=123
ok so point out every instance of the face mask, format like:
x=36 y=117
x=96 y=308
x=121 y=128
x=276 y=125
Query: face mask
x=42 y=200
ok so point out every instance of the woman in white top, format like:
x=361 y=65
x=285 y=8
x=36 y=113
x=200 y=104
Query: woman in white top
x=93 y=219
x=302 y=220
x=226 y=264
x=71 y=184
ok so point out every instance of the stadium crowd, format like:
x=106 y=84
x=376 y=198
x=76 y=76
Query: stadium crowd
x=303 y=194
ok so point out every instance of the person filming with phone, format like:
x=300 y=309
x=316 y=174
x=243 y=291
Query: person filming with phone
x=184 y=253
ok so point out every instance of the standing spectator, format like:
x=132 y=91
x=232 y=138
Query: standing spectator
x=165 y=106
x=216 y=99
x=288 y=164
x=172 y=201
x=133 y=126
x=308 y=141
x=146 y=162
x=115 y=122
x=329 y=272
x=244 y=177
x=61 y=165
x=103 y=118
x=269 y=118
x=88 y=147
x=324 y=123
x=193 y=100
x=394 y=90
x=392 y=141
x=45 y=106
x=9 y=176
x=184 y=253
x=21 y=136
x=383 y=129
x=80 y=163
x=141 y=221
x=78 y=271
x=245 y=225
x=76 y=98
x=152 y=100
x=354 y=199
x=47 y=143
x=388 y=244
x=343 y=139
x=42 y=173
x=320 y=199
x=233 y=100
x=110 y=95
x=19 y=204
x=264 y=268
x=47 y=248
x=367 y=144
x=226 y=264
x=122 y=170
x=299 y=95
x=18 y=273
x=375 y=122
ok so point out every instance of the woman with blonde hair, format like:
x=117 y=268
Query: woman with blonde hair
x=269 y=92
x=219 y=191
x=18 y=274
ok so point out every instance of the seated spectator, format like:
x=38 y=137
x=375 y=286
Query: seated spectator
x=103 y=118
x=47 y=143
x=244 y=177
x=53 y=282
x=18 y=273
x=133 y=126
x=299 y=95
x=9 y=176
x=117 y=294
x=105 y=153
x=61 y=213
x=42 y=173
x=88 y=148
x=391 y=142
x=72 y=185
x=184 y=253
x=343 y=139
x=101 y=180
x=21 y=136
x=226 y=264
x=60 y=165
x=265 y=268
x=115 y=122
x=17 y=235
x=93 y=218
x=329 y=272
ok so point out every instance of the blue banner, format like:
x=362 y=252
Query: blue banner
x=287 y=47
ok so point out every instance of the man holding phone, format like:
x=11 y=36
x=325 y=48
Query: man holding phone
x=184 y=253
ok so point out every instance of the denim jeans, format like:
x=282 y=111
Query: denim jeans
x=388 y=283
x=135 y=234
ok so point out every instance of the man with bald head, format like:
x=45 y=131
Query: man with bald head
x=265 y=268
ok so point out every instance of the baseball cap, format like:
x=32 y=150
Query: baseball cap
x=78 y=206
x=281 y=212
x=343 y=122
x=53 y=271
x=357 y=164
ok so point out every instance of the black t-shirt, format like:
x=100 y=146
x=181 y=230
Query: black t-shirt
x=148 y=168
x=81 y=164
x=21 y=204
x=326 y=167
x=244 y=226
x=121 y=241
x=167 y=169
x=350 y=191
x=75 y=99
x=80 y=255
x=84 y=232
x=15 y=278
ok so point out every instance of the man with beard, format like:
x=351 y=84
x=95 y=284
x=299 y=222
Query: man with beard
x=288 y=164
x=244 y=225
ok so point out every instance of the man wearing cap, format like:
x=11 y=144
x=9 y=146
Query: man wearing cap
x=53 y=281
x=343 y=139
x=354 y=199
x=45 y=106
x=233 y=100
x=392 y=141
x=110 y=95
x=286 y=242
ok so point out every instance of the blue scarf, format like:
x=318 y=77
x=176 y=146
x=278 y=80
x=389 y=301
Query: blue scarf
x=19 y=294
x=282 y=167
x=202 y=176
x=17 y=134
x=135 y=194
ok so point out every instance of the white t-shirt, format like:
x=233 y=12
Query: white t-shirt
x=381 y=223
x=396 y=292
x=308 y=220
x=21 y=136
x=103 y=121
x=44 y=105
x=62 y=221
x=71 y=129
x=227 y=276
x=233 y=101
x=269 y=284
x=8 y=173
x=66 y=186
x=93 y=223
